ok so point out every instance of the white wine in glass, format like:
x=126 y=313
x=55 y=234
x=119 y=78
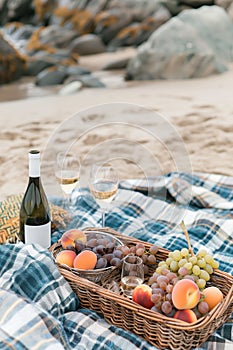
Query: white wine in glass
x=67 y=173
x=103 y=185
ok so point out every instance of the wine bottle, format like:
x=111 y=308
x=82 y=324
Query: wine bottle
x=35 y=222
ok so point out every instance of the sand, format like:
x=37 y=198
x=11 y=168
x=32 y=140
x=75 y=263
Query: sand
x=171 y=125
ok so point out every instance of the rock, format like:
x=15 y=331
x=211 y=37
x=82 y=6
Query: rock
x=16 y=10
x=23 y=31
x=96 y=6
x=58 y=36
x=3 y=12
x=57 y=56
x=87 y=80
x=109 y=23
x=50 y=76
x=39 y=45
x=119 y=64
x=175 y=6
x=224 y=3
x=71 y=88
x=91 y=81
x=205 y=21
x=39 y=62
x=35 y=66
x=44 y=10
x=139 y=9
x=198 y=3
x=19 y=34
x=187 y=46
x=137 y=33
x=11 y=62
x=77 y=70
x=69 y=16
x=230 y=11
x=88 y=44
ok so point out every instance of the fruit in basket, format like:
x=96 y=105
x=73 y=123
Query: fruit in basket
x=185 y=294
x=185 y=264
x=213 y=296
x=186 y=316
x=69 y=237
x=86 y=260
x=66 y=257
x=203 y=308
x=142 y=296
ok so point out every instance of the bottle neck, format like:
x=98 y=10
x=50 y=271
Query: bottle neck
x=34 y=166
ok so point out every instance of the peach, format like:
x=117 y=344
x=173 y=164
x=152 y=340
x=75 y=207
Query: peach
x=186 y=316
x=142 y=295
x=213 y=296
x=185 y=294
x=86 y=260
x=70 y=236
x=66 y=257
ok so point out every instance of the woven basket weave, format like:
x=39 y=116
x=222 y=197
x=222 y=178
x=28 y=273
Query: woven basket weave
x=157 y=329
x=9 y=218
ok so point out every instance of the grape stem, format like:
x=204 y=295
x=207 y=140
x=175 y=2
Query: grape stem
x=187 y=237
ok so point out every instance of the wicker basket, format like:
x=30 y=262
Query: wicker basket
x=157 y=329
x=92 y=275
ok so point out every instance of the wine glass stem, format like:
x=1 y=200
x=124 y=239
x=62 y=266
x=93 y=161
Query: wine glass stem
x=103 y=217
x=68 y=201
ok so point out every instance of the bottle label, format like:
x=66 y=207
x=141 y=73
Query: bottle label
x=38 y=234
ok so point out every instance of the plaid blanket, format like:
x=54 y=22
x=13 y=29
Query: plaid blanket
x=39 y=310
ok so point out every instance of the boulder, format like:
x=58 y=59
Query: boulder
x=77 y=70
x=15 y=10
x=187 y=46
x=11 y=62
x=56 y=36
x=44 y=10
x=137 y=33
x=96 y=6
x=87 y=80
x=175 y=6
x=205 y=21
x=3 y=12
x=88 y=44
x=139 y=9
x=230 y=11
x=35 y=66
x=109 y=23
x=118 y=64
x=197 y=3
x=51 y=76
x=68 y=15
x=224 y=3
x=19 y=34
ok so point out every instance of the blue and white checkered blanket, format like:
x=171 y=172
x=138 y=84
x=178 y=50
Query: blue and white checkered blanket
x=38 y=309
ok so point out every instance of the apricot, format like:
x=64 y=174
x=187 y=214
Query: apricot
x=186 y=316
x=142 y=295
x=86 y=260
x=213 y=296
x=66 y=257
x=185 y=294
x=70 y=236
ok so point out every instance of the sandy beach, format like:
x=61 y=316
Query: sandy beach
x=199 y=112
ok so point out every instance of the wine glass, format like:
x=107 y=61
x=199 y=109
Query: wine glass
x=103 y=184
x=67 y=173
x=132 y=274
